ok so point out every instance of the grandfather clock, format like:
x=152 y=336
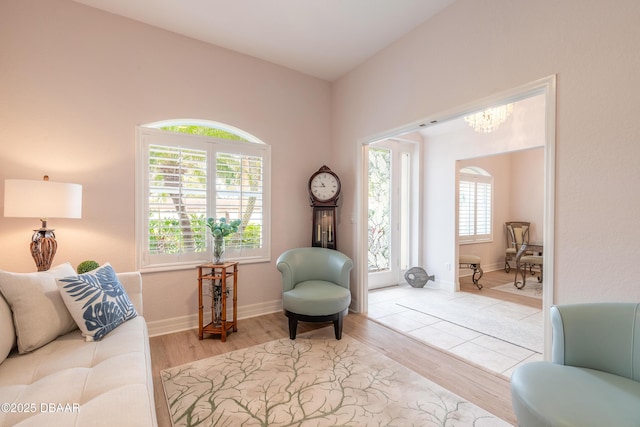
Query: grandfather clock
x=324 y=191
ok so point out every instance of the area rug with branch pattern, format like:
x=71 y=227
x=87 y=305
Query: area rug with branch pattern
x=532 y=288
x=314 y=380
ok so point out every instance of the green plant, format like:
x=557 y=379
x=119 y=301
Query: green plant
x=222 y=228
x=85 y=266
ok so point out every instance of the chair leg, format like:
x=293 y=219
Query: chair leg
x=524 y=277
x=337 y=320
x=293 y=327
x=337 y=326
x=540 y=276
x=477 y=270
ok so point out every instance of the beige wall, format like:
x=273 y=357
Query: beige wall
x=75 y=82
x=527 y=191
x=477 y=48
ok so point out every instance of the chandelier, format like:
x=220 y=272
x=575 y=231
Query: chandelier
x=490 y=119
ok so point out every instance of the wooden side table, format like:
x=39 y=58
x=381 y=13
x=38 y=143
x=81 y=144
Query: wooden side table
x=218 y=275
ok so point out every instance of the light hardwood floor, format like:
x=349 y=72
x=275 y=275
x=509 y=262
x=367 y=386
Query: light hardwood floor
x=477 y=385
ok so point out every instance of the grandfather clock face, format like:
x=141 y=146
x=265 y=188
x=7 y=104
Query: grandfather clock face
x=324 y=185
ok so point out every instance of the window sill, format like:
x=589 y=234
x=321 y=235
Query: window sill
x=194 y=264
x=474 y=242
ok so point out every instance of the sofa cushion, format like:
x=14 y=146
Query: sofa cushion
x=7 y=331
x=97 y=301
x=39 y=314
x=101 y=383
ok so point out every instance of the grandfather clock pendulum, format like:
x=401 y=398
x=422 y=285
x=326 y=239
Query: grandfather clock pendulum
x=324 y=191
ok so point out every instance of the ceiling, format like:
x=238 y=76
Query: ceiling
x=322 y=38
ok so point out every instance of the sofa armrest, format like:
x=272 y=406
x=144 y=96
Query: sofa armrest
x=602 y=336
x=132 y=283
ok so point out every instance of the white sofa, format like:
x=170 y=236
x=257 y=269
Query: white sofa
x=73 y=382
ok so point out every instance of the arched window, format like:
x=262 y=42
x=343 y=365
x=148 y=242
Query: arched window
x=475 y=205
x=188 y=171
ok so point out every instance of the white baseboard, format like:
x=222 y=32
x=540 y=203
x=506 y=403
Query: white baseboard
x=494 y=267
x=443 y=285
x=464 y=272
x=183 y=323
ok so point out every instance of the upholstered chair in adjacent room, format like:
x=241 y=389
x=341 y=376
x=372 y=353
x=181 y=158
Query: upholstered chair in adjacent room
x=315 y=286
x=517 y=234
x=529 y=262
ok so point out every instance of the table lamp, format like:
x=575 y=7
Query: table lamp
x=42 y=199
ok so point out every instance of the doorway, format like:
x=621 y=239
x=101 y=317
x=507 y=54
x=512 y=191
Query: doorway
x=389 y=210
x=438 y=250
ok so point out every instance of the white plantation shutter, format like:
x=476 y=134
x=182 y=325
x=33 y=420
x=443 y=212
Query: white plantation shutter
x=177 y=193
x=240 y=180
x=475 y=207
x=184 y=179
x=483 y=209
x=467 y=208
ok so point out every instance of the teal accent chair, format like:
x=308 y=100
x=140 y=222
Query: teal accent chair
x=594 y=376
x=315 y=286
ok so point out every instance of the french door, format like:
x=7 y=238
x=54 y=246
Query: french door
x=388 y=211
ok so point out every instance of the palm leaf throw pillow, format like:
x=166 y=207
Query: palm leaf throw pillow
x=97 y=301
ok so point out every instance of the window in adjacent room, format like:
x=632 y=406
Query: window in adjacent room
x=475 y=205
x=190 y=170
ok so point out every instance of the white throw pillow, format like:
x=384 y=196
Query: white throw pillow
x=7 y=330
x=97 y=301
x=39 y=314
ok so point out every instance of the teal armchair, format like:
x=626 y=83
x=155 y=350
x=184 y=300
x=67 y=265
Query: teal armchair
x=315 y=286
x=594 y=376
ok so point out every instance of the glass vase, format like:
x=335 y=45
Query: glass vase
x=218 y=250
x=215 y=289
x=217 y=304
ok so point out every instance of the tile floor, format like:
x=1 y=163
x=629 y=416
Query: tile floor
x=491 y=353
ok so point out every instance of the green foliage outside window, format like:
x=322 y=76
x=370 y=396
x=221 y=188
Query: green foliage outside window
x=165 y=236
x=206 y=131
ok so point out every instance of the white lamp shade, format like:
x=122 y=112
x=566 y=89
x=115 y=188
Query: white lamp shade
x=42 y=199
